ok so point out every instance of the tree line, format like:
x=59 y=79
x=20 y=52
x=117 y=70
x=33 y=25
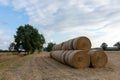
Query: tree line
x=116 y=46
x=28 y=39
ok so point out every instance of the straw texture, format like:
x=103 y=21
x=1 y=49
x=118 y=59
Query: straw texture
x=98 y=58
x=81 y=43
x=77 y=58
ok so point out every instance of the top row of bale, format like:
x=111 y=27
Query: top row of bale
x=80 y=43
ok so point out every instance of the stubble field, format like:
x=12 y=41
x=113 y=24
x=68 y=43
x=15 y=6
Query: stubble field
x=42 y=67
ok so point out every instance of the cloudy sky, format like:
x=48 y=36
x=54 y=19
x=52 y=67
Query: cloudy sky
x=60 y=20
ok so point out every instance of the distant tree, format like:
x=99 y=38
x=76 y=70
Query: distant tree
x=12 y=47
x=49 y=46
x=1 y=50
x=104 y=46
x=28 y=39
x=117 y=44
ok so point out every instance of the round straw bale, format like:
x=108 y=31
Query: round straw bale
x=58 y=46
x=61 y=44
x=66 y=56
x=64 y=46
x=77 y=59
x=53 y=48
x=70 y=44
x=98 y=58
x=81 y=43
x=57 y=55
x=51 y=53
x=62 y=56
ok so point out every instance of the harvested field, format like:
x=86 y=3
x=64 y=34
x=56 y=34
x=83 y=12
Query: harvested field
x=42 y=67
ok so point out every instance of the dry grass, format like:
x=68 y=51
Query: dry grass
x=42 y=67
x=6 y=60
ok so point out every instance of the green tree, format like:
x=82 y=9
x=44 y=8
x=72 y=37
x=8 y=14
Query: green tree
x=104 y=46
x=28 y=39
x=117 y=44
x=49 y=46
x=12 y=47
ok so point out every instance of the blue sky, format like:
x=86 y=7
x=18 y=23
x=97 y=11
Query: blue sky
x=60 y=20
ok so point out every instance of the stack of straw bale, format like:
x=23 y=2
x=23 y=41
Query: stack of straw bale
x=77 y=53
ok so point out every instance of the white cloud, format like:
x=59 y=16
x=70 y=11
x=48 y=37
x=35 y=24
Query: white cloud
x=5 y=39
x=4 y=2
x=93 y=18
x=4 y=42
x=1 y=32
